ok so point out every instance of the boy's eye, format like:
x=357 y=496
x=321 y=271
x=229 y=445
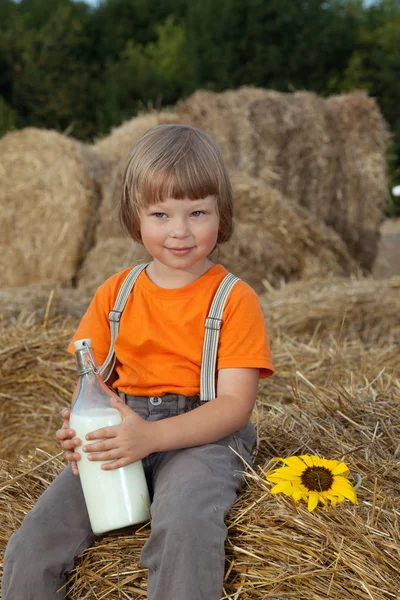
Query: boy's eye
x=197 y=213
x=158 y=215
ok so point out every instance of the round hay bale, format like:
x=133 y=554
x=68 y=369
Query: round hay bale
x=37 y=378
x=387 y=262
x=48 y=200
x=275 y=242
x=365 y=309
x=107 y=257
x=295 y=138
x=225 y=116
x=114 y=151
x=360 y=186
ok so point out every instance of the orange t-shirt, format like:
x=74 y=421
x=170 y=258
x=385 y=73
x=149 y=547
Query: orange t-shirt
x=160 y=341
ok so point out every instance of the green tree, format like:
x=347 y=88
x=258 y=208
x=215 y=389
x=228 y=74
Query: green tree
x=7 y=117
x=145 y=75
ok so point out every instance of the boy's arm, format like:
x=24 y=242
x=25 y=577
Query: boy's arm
x=214 y=420
x=136 y=438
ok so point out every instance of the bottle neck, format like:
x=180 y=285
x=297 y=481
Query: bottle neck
x=86 y=362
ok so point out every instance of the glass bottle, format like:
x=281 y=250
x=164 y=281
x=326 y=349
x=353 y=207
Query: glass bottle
x=115 y=498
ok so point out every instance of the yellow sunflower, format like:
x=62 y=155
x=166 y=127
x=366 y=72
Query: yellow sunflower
x=313 y=479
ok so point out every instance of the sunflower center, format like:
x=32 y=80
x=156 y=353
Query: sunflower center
x=317 y=479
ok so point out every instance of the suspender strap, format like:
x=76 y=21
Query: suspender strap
x=210 y=347
x=115 y=315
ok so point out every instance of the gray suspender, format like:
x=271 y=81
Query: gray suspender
x=210 y=347
x=213 y=325
x=115 y=315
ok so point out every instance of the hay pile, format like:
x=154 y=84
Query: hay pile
x=37 y=378
x=276 y=242
x=337 y=400
x=48 y=201
x=343 y=309
x=38 y=303
x=325 y=155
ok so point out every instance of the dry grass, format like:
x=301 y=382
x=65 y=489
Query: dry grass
x=344 y=309
x=41 y=302
x=48 y=198
x=37 y=378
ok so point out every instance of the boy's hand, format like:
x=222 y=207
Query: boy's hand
x=121 y=444
x=68 y=441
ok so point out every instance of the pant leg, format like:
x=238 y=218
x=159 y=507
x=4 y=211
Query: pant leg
x=194 y=489
x=42 y=551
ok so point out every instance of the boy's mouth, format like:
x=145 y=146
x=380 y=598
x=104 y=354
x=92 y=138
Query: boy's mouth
x=180 y=251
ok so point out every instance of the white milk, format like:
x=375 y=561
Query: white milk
x=114 y=498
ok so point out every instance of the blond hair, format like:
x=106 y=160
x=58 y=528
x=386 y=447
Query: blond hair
x=175 y=161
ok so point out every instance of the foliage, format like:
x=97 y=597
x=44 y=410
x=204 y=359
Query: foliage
x=7 y=117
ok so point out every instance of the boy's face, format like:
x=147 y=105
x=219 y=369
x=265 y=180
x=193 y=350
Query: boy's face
x=180 y=234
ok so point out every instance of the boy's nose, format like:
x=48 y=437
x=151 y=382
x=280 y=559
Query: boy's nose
x=180 y=228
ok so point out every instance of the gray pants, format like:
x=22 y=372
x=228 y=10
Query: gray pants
x=193 y=489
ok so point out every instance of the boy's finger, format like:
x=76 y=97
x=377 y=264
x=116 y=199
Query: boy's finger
x=70 y=444
x=64 y=433
x=72 y=456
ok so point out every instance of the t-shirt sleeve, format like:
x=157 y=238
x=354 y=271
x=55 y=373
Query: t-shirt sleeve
x=95 y=323
x=243 y=337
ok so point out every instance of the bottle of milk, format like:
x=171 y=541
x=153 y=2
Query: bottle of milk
x=114 y=498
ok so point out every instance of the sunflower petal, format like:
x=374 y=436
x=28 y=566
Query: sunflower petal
x=297 y=494
x=282 y=473
x=342 y=487
x=284 y=487
x=336 y=499
x=307 y=459
x=340 y=469
x=312 y=501
x=295 y=463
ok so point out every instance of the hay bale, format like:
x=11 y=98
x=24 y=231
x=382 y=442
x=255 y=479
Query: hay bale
x=225 y=116
x=107 y=257
x=276 y=242
x=37 y=378
x=295 y=137
x=363 y=308
x=114 y=151
x=387 y=262
x=273 y=548
x=48 y=200
x=325 y=155
x=360 y=186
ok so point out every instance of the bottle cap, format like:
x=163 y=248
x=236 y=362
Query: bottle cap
x=85 y=343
